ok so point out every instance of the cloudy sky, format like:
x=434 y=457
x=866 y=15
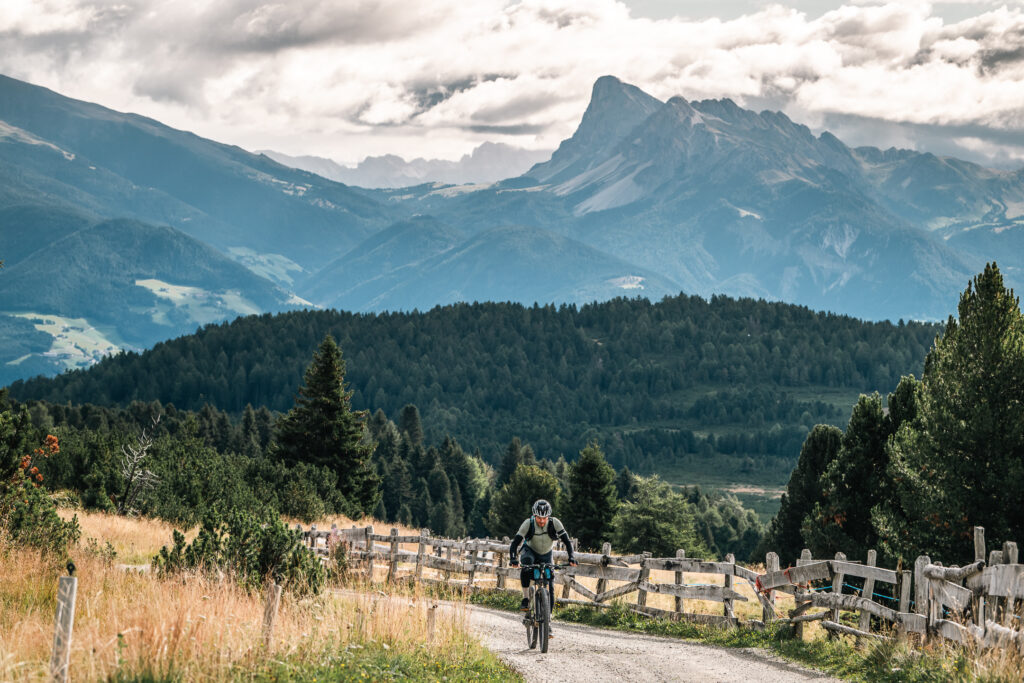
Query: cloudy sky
x=349 y=78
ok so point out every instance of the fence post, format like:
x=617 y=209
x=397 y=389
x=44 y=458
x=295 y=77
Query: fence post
x=921 y=592
x=393 y=566
x=602 y=584
x=270 y=613
x=904 y=586
x=431 y=617
x=805 y=558
x=501 y=565
x=1009 y=557
x=645 y=572
x=978 y=601
x=771 y=564
x=369 y=554
x=60 y=660
x=864 y=624
x=421 y=550
x=448 y=565
x=994 y=605
x=472 y=567
x=837 y=588
x=727 y=609
x=680 y=555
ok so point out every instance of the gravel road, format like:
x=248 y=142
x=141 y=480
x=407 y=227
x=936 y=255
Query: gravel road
x=585 y=653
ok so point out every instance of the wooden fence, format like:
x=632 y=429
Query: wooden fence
x=980 y=603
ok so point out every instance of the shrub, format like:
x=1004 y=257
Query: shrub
x=26 y=511
x=250 y=548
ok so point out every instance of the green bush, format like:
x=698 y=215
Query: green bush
x=27 y=514
x=250 y=548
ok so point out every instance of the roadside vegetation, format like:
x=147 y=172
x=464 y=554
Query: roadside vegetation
x=139 y=626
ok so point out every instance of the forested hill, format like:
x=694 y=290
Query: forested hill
x=687 y=384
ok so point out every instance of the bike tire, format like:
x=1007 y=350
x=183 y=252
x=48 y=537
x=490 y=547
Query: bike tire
x=531 y=630
x=543 y=618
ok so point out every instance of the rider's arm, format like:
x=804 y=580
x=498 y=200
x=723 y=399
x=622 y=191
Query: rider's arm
x=520 y=535
x=563 y=536
x=513 y=549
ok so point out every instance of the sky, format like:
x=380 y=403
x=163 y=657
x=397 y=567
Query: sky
x=346 y=79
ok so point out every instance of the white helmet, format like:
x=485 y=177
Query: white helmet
x=542 y=508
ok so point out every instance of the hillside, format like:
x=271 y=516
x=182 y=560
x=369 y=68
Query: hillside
x=89 y=288
x=724 y=387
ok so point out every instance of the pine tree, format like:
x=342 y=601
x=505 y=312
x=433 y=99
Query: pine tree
x=803 y=492
x=625 y=484
x=593 y=500
x=249 y=436
x=409 y=423
x=513 y=502
x=516 y=454
x=659 y=520
x=323 y=430
x=953 y=466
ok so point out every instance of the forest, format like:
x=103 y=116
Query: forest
x=909 y=474
x=695 y=386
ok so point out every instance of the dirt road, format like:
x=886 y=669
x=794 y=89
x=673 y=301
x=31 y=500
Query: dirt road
x=584 y=653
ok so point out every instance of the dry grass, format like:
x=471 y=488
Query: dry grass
x=194 y=627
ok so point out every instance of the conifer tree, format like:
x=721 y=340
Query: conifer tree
x=803 y=492
x=593 y=500
x=659 y=520
x=853 y=482
x=323 y=430
x=516 y=454
x=409 y=423
x=625 y=484
x=956 y=464
x=513 y=502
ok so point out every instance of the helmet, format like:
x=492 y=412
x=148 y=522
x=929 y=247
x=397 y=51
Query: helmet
x=542 y=508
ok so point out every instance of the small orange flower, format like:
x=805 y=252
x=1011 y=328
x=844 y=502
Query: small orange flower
x=34 y=470
x=39 y=477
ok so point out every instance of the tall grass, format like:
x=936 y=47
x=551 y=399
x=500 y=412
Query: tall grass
x=131 y=625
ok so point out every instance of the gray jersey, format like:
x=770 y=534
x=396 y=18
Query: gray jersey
x=541 y=542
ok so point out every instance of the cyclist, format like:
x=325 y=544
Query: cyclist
x=539 y=533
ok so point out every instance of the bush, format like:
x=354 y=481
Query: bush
x=26 y=511
x=250 y=548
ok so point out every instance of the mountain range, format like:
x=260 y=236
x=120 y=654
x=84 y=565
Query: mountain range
x=118 y=231
x=487 y=163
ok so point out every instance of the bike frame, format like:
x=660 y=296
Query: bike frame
x=538 y=626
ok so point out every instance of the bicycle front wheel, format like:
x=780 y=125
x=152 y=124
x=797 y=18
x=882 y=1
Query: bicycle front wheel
x=531 y=629
x=543 y=618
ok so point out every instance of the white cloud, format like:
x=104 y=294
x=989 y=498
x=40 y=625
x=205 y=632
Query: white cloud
x=347 y=79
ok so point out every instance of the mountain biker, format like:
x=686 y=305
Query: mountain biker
x=539 y=533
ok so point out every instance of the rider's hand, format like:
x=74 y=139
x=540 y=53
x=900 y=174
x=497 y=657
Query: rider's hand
x=573 y=563
x=513 y=563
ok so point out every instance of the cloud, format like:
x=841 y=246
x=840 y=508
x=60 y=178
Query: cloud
x=348 y=79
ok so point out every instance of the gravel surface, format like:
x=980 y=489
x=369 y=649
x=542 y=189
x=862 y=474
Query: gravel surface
x=585 y=653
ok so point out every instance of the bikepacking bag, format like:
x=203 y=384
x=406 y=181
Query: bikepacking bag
x=541 y=573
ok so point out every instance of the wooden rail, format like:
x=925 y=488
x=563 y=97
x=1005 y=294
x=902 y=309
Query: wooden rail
x=980 y=603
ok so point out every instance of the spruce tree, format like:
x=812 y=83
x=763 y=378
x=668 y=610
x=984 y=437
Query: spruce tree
x=409 y=423
x=803 y=492
x=659 y=520
x=853 y=483
x=593 y=500
x=956 y=464
x=516 y=454
x=323 y=430
x=513 y=502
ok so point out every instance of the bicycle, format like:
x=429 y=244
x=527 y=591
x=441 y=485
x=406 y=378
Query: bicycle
x=540 y=599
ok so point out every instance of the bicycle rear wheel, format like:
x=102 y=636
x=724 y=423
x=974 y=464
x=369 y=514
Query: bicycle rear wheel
x=543 y=618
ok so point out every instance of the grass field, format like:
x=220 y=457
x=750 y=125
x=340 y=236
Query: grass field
x=130 y=625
